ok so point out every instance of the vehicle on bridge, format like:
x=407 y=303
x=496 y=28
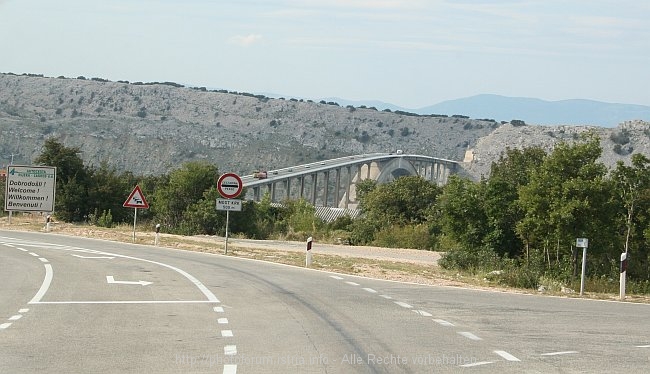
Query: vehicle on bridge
x=260 y=174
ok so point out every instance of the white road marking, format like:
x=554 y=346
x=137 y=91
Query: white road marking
x=111 y=280
x=44 y=287
x=403 y=305
x=34 y=254
x=352 y=283
x=222 y=321
x=336 y=277
x=229 y=369
x=643 y=346
x=218 y=309
x=43 y=259
x=369 y=290
x=24 y=310
x=443 y=322
x=23 y=249
x=126 y=302
x=16 y=317
x=226 y=333
x=558 y=353
x=476 y=364
x=469 y=335
x=95 y=257
x=386 y=297
x=230 y=350
x=5 y=325
x=423 y=313
x=507 y=356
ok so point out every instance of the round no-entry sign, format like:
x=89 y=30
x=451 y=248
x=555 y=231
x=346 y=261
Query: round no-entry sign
x=229 y=185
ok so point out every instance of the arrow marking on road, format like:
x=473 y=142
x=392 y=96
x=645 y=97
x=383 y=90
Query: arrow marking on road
x=110 y=279
x=108 y=257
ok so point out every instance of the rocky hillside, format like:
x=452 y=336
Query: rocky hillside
x=151 y=128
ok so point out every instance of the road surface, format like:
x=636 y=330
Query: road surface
x=83 y=305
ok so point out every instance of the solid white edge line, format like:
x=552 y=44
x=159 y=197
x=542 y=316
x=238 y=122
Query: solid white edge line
x=507 y=356
x=476 y=364
x=45 y=286
x=469 y=335
x=229 y=369
x=558 y=353
x=125 y=302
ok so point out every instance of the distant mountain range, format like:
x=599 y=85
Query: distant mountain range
x=531 y=111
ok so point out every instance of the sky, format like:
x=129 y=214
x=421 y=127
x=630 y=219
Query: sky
x=411 y=53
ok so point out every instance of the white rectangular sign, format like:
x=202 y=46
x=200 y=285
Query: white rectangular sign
x=582 y=242
x=229 y=204
x=30 y=188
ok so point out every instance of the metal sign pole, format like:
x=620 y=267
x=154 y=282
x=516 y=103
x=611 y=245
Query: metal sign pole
x=227 y=219
x=584 y=269
x=135 y=218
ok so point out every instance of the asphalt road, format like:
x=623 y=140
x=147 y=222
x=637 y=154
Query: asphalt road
x=80 y=305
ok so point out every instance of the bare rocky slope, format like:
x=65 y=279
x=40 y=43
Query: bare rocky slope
x=151 y=128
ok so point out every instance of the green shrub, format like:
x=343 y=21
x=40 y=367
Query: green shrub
x=414 y=236
x=471 y=260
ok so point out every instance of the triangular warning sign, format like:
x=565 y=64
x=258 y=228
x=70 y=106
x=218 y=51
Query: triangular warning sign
x=136 y=199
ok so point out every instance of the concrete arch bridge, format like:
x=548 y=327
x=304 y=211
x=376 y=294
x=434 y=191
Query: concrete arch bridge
x=332 y=183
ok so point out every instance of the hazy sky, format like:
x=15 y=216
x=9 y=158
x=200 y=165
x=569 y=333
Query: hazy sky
x=411 y=53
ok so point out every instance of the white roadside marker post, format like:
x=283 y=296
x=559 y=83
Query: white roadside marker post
x=623 y=274
x=583 y=243
x=308 y=258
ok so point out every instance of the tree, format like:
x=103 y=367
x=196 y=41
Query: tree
x=186 y=186
x=71 y=180
x=566 y=198
x=632 y=187
x=107 y=191
x=463 y=216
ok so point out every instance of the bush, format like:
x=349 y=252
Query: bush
x=415 y=237
x=106 y=219
x=471 y=260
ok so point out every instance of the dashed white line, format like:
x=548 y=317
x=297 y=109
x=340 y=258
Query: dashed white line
x=476 y=364
x=336 y=277
x=218 y=309
x=23 y=249
x=469 y=335
x=222 y=321
x=230 y=350
x=5 y=325
x=386 y=297
x=43 y=259
x=34 y=254
x=16 y=317
x=558 y=353
x=403 y=305
x=443 y=322
x=25 y=310
x=229 y=369
x=643 y=346
x=226 y=333
x=507 y=356
x=369 y=290
x=352 y=283
x=423 y=313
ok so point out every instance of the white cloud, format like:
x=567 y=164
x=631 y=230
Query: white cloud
x=246 y=40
